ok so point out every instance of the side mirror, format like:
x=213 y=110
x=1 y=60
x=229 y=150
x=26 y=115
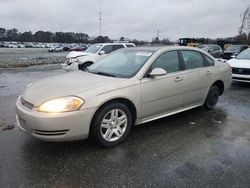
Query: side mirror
x=102 y=52
x=157 y=72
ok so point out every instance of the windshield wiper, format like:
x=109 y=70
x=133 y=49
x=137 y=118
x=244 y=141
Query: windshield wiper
x=104 y=74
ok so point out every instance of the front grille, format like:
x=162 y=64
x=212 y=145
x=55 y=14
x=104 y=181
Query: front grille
x=27 y=104
x=51 y=133
x=243 y=79
x=242 y=71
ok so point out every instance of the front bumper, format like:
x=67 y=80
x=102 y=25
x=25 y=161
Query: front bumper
x=241 y=78
x=70 y=66
x=65 y=126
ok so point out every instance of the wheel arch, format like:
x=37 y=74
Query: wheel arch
x=122 y=100
x=90 y=62
x=80 y=65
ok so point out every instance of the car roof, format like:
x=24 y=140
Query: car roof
x=164 y=48
x=113 y=43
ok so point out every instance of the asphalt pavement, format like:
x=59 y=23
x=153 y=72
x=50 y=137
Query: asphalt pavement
x=196 y=148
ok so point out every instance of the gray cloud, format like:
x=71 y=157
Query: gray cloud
x=134 y=19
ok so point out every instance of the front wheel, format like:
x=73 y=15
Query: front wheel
x=212 y=97
x=112 y=124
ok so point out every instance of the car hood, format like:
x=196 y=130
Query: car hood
x=239 y=63
x=74 y=54
x=65 y=85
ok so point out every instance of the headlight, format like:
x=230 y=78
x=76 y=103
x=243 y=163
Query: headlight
x=64 y=104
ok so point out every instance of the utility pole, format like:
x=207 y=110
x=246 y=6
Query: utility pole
x=100 y=17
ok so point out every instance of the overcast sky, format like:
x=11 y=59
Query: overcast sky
x=129 y=18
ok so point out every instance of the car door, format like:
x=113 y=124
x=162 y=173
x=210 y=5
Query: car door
x=164 y=93
x=198 y=77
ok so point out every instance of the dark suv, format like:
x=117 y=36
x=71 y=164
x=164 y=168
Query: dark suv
x=233 y=50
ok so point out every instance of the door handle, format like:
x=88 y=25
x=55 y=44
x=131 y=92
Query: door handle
x=208 y=73
x=178 y=79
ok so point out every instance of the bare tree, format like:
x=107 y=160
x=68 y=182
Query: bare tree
x=245 y=25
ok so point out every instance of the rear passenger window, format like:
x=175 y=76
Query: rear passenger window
x=129 y=45
x=116 y=47
x=168 y=61
x=192 y=59
x=209 y=61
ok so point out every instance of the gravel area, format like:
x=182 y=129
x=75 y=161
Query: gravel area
x=29 y=57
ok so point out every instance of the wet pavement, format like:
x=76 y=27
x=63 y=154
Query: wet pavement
x=197 y=148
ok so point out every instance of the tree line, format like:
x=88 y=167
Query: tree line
x=47 y=36
x=71 y=37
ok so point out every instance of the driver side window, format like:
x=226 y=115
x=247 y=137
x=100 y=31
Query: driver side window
x=168 y=61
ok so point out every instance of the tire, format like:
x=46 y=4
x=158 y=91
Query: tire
x=84 y=65
x=212 y=97
x=112 y=124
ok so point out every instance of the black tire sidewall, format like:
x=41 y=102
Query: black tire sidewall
x=98 y=119
x=213 y=88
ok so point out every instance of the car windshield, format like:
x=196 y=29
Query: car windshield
x=122 y=64
x=233 y=48
x=94 y=48
x=244 y=55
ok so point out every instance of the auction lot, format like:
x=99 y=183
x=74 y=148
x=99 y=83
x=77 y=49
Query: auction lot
x=197 y=148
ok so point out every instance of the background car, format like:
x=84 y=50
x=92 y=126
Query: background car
x=56 y=49
x=233 y=50
x=79 y=48
x=213 y=49
x=20 y=46
x=76 y=60
x=12 y=46
x=130 y=86
x=66 y=48
x=241 y=66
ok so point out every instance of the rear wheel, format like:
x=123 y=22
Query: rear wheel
x=112 y=124
x=212 y=97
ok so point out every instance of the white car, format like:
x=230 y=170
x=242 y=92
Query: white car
x=81 y=60
x=241 y=66
x=12 y=46
x=129 y=87
x=55 y=49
